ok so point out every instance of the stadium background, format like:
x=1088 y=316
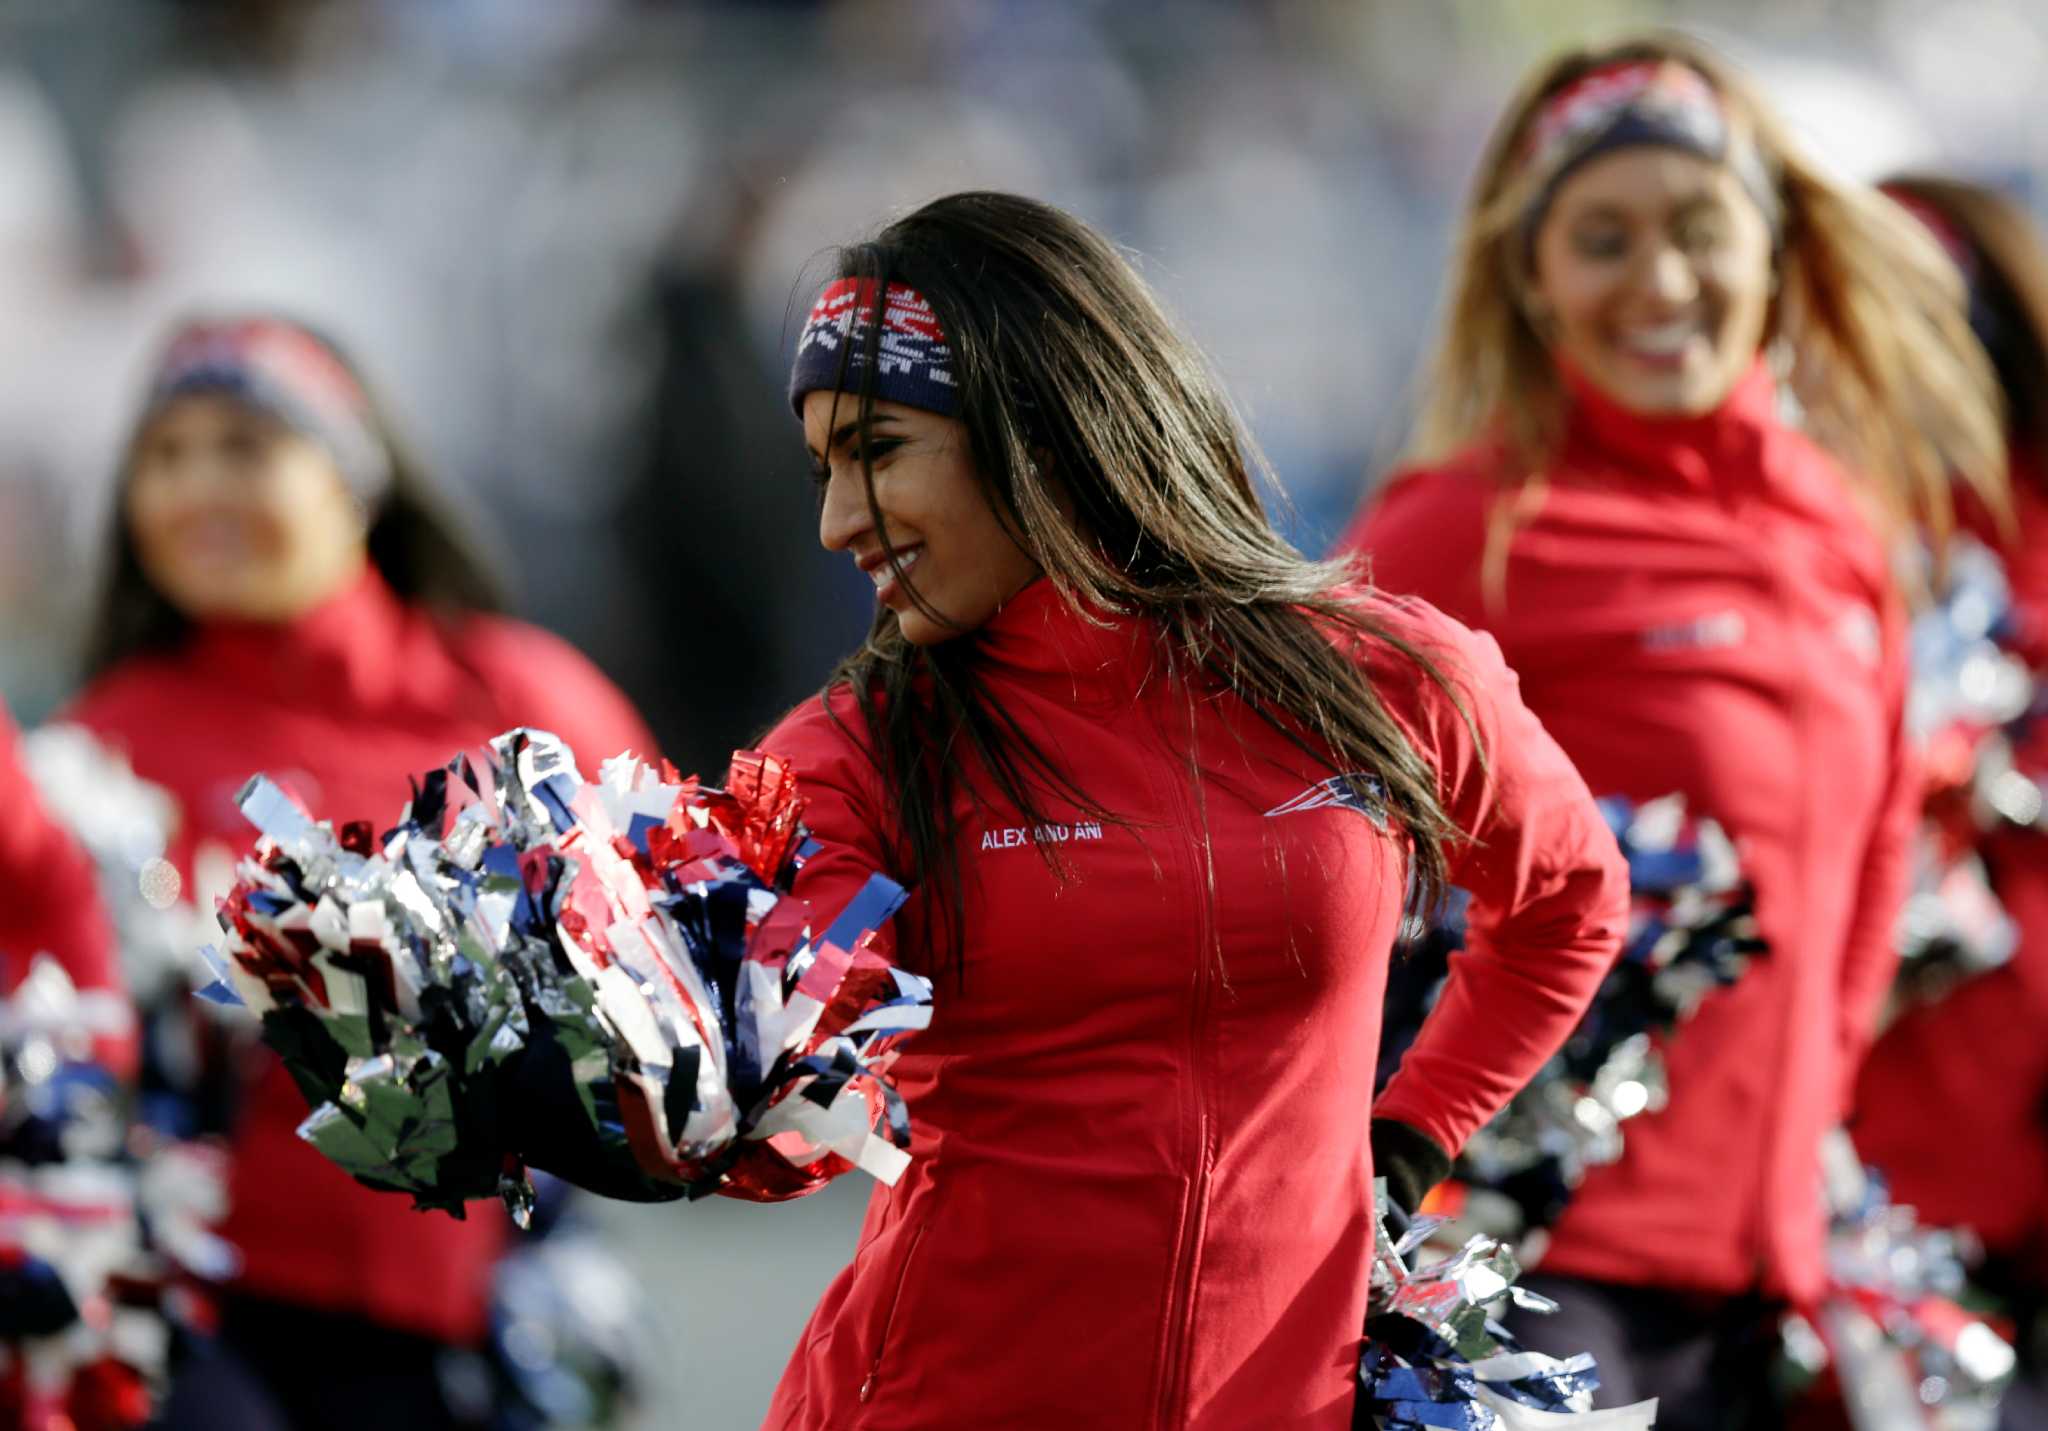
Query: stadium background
x=569 y=240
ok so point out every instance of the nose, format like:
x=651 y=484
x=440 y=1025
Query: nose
x=176 y=472
x=844 y=514
x=1671 y=278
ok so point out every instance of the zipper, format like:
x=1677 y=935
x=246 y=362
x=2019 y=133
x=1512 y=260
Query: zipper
x=867 y=1387
x=1762 y=1243
x=1172 y=1373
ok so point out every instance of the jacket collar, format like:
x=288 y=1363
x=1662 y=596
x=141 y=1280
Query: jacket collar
x=1707 y=453
x=1740 y=456
x=1037 y=633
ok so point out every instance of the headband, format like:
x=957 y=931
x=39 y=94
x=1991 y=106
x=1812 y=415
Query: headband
x=288 y=374
x=1631 y=103
x=913 y=364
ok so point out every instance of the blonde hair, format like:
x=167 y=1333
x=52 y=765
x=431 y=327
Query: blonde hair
x=1871 y=313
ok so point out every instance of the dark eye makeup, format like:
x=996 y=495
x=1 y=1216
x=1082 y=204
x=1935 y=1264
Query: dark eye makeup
x=876 y=448
x=1700 y=226
x=1600 y=243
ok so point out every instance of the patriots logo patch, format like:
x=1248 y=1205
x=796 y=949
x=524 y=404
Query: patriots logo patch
x=1355 y=791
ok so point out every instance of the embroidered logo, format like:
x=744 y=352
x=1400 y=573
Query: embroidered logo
x=1016 y=836
x=1356 y=791
x=1713 y=632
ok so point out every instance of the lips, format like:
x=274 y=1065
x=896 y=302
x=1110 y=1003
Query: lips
x=215 y=538
x=883 y=575
x=1665 y=345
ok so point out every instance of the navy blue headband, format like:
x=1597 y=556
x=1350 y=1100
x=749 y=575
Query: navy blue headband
x=913 y=365
x=1631 y=103
x=284 y=371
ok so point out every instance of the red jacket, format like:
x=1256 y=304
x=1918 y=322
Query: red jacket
x=1141 y=1184
x=53 y=904
x=1696 y=606
x=341 y=706
x=1953 y=1102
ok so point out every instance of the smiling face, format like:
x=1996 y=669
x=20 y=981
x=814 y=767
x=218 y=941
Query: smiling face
x=951 y=547
x=236 y=516
x=1652 y=277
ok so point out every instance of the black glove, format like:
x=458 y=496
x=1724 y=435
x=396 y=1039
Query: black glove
x=540 y=1117
x=34 y=1301
x=1410 y=1161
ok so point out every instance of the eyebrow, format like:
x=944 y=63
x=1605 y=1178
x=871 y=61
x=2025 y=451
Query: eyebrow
x=846 y=432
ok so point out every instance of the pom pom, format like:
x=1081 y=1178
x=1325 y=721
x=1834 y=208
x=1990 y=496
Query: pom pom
x=1977 y=713
x=83 y=1315
x=573 y=1338
x=1890 y=1324
x=1437 y=1356
x=1692 y=930
x=124 y=823
x=608 y=980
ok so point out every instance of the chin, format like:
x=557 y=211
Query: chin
x=1691 y=403
x=919 y=630
x=1677 y=396
x=202 y=603
x=1699 y=399
x=262 y=604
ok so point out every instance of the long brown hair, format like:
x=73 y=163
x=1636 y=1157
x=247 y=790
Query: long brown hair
x=1882 y=362
x=414 y=541
x=2008 y=293
x=1079 y=397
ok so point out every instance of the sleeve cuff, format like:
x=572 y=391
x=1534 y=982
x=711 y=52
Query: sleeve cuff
x=1409 y=1160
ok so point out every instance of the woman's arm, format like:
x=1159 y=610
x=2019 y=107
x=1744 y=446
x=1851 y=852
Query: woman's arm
x=1549 y=892
x=842 y=807
x=1870 y=955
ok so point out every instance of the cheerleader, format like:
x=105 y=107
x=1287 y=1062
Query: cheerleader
x=1693 y=587
x=1163 y=787
x=286 y=597
x=1970 y=1071
x=53 y=908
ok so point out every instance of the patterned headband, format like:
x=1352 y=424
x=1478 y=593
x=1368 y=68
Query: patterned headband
x=288 y=374
x=1637 y=102
x=913 y=364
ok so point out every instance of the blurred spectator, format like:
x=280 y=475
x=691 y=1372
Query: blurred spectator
x=568 y=233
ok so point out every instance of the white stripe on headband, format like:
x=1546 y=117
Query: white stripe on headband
x=287 y=372
x=913 y=362
x=1631 y=102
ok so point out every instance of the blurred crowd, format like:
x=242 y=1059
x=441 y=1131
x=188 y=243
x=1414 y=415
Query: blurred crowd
x=565 y=238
